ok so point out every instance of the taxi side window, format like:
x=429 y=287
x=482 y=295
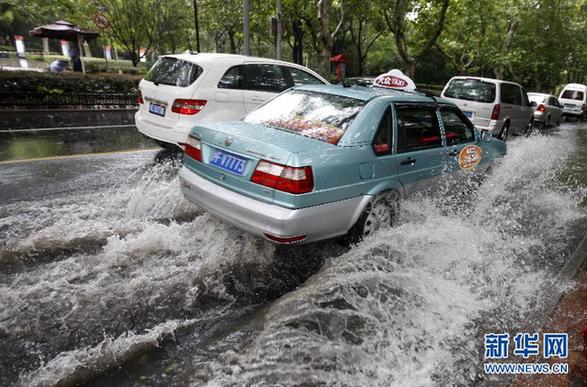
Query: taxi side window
x=456 y=127
x=417 y=128
x=382 y=140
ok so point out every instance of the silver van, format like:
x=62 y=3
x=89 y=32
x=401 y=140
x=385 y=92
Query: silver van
x=500 y=107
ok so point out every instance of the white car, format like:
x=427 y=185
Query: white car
x=500 y=107
x=187 y=89
x=574 y=100
x=547 y=110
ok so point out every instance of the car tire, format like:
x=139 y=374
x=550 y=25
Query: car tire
x=505 y=132
x=529 y=128
x=381 y=212
x=546 y=123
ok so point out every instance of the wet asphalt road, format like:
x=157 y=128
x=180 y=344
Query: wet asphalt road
x=25 y=144
x=108 y=277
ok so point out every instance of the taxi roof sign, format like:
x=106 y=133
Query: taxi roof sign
x=394 y=79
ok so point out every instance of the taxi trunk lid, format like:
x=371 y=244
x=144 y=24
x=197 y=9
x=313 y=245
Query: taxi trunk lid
x=231 y=152
x=256 y=142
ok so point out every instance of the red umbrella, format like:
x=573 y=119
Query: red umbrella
x=65 y=30
x=339 y=60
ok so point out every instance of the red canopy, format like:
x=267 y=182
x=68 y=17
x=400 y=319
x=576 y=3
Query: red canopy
x=63 y=30
x=340 y=58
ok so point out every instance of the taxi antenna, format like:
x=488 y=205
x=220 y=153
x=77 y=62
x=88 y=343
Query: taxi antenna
x=343 y=80
x=429 y=94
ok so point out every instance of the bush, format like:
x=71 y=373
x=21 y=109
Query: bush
x=63 y=83
x=93 y=65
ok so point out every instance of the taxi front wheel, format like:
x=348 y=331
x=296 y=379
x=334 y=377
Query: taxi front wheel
x=380 y=213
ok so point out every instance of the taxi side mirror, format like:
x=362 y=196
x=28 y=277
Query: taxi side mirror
x=486 y=136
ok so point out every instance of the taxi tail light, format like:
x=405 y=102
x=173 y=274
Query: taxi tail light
x=140 y=100
x=193 y=147
x=495 y=112
x=295 y=180
x=540 y=108
x=188 y=106
x=285 y=240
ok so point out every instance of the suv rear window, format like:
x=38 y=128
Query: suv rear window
x=320 y=116
x=573 y=94
x=471 y=90
x=174 y=72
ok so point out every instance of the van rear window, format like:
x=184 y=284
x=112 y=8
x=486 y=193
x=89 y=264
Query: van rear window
x=573 y=94
x=471 y=90
x=174 y=72
x=320 y=116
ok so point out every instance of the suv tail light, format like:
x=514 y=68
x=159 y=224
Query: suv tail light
x=188 y=106
x=140 y=100
x=495 y=112
x=296 y=180
x=540 y=108
x=193 y=147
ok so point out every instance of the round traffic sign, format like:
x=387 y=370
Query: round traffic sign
x=101 y=21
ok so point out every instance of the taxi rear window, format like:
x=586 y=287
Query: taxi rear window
x=320 y=116
x=173 y=72
x=471 y=90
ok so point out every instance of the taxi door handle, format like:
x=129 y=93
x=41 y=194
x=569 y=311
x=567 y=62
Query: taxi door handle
x=408 y=161
x=453 y=152
x=257 y=99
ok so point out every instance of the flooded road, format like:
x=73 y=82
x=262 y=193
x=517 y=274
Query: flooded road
x=109 y=277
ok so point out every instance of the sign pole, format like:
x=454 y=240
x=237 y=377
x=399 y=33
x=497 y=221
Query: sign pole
x=196 y=25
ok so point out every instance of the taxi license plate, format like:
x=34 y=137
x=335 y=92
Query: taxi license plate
x=469 y=114
x=229 y=162
x=157 y=109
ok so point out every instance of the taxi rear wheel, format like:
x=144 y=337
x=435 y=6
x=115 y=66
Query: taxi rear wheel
x=380 y=213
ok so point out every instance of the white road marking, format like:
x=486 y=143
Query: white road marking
x=66 y=157
x=66 y=128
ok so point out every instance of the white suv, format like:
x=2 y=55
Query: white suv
x=182 y=90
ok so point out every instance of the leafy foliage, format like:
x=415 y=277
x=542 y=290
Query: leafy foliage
x=63 y=83
x=540 y=43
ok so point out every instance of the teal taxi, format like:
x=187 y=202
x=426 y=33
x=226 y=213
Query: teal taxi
x=322 y=161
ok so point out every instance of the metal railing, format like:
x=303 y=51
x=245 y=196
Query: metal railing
x=81 y=100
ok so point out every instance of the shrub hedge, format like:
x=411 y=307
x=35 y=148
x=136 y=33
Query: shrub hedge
x=93 y=65
x=62 y=83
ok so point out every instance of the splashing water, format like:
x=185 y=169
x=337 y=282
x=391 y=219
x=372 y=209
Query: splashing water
x=408 y=306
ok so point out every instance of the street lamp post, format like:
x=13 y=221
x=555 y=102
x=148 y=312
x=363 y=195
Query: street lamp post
x=278 y=32
x=246 y=31
x=197 y=26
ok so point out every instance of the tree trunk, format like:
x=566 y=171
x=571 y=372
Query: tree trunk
x=135 y=58
x=231 y=36
x=298 y=35
x=411 y=69
x=324 y=38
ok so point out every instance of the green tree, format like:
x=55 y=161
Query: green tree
x=416 y=26
x=365 y=27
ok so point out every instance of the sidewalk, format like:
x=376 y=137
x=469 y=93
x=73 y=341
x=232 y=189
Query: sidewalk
x=570 y=316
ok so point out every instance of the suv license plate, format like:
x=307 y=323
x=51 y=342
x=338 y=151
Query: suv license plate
x=157 y=109
x=229 y=162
